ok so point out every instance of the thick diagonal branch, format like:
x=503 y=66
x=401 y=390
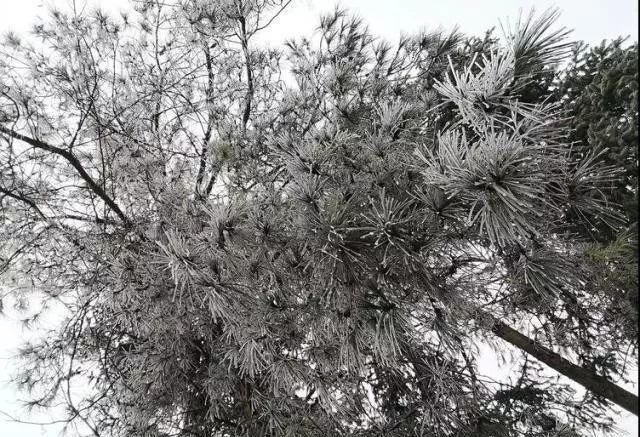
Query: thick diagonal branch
x=590 y=380
x=76 y=164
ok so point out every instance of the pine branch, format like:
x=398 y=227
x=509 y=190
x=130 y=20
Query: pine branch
x=75 y=163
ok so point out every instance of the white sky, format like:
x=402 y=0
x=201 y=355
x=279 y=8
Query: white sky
x=591 y=21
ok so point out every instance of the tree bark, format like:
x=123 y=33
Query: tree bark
x=587 y=378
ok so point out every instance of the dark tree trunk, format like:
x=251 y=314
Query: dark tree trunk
x=587 y=378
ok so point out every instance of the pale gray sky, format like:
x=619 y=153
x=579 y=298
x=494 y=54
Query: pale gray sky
x=591 y=21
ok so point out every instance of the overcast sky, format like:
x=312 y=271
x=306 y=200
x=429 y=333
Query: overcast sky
x=591 y=21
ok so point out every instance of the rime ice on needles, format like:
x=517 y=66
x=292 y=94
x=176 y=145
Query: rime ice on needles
x=245 y=255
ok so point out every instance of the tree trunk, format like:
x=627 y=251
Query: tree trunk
x=587 y=378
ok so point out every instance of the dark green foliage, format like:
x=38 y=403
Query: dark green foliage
x=599 y=91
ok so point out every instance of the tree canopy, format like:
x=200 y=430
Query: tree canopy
x=319 y=239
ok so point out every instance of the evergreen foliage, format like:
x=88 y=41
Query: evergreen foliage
x=243 y=255
x=599 y=92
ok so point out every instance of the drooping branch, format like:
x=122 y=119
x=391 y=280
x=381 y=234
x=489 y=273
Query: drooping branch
x=76 y=164
x=23 y=199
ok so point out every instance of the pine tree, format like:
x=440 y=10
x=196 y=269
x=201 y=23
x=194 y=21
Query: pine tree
x=246 y=255
x=599 y=91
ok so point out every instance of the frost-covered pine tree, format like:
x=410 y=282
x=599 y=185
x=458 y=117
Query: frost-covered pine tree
x=244 y=255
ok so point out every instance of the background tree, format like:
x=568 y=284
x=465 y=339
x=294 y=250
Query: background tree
x=599 y=91
x=244 y=255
